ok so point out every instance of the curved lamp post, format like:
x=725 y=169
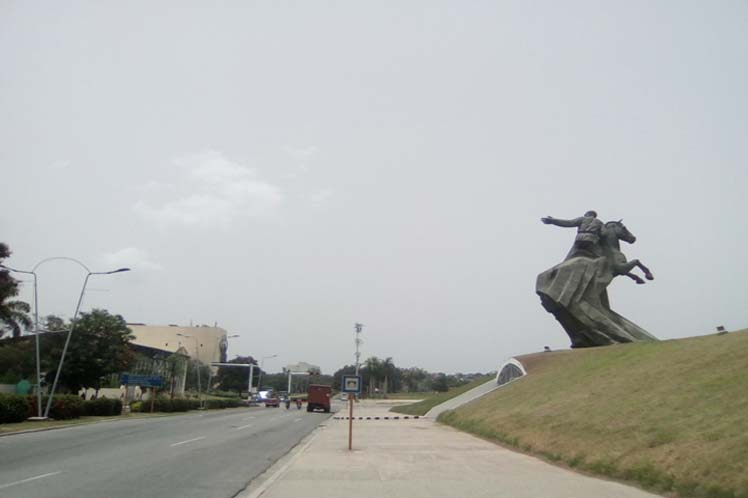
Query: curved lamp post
x=36 y=339
x=75 y=316
x=72 y=325
x=262 y=367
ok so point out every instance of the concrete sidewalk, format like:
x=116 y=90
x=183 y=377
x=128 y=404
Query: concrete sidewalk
x=419 y=459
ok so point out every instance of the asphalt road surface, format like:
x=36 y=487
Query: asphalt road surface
x=206 y=454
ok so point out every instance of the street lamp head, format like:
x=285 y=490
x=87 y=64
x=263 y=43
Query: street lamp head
x=119 y=270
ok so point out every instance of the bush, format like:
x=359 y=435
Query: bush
x=13 y=408
x=103 y=407
x=223 y=403
x=166 y=405
x=64 y=407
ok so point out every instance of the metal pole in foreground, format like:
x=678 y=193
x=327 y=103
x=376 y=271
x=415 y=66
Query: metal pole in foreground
x=36 y=339
x=358 y=341
x=70 y=333
x=350 y=422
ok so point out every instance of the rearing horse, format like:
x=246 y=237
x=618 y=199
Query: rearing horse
x=611 y=234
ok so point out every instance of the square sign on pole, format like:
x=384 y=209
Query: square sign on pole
x=351 y=384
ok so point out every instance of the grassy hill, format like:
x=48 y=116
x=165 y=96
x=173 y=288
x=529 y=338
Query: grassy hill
x=671 y=416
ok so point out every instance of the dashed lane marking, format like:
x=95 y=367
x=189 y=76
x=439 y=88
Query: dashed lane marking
x=188 y=441
x=29 y=479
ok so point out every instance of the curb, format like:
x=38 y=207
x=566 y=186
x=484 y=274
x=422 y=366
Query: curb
x=261 y=483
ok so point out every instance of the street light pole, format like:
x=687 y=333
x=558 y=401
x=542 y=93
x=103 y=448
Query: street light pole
x=72 y=325
x=358 y=341
x=70 y=331
x=262 y=366
x=36 y=340
x=197 y=362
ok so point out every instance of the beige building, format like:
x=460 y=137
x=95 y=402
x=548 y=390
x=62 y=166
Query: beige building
x=206 y=344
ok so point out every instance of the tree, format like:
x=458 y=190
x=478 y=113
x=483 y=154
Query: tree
x=416 y=379
x=440 y=383
x=99 y=346
x=13 y=313
x=53 y=323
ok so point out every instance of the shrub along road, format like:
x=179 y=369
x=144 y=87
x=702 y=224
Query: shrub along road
x=206 y=454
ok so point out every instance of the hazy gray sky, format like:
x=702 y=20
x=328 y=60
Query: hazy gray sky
x=289 y=168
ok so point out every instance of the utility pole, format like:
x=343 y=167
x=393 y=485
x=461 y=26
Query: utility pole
x=358 y=341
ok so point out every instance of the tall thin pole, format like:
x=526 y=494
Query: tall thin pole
x=350 y=422
x=358 y=341
x=197 y=371
x=65 y=348
x=249 y=383
x=36 y=339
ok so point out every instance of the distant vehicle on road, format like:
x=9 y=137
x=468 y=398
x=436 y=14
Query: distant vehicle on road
x=318 y=398
x=274 y=402
x=343 y=396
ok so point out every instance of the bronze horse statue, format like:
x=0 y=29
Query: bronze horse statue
x=610 y=236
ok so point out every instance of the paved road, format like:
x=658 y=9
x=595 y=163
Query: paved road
x=206 y=454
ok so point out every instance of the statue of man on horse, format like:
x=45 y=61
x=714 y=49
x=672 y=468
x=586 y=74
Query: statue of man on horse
x=574 y=291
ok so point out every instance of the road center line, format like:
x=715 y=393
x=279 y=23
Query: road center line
x=188 y=441
x=3 y=486
x=243 y=427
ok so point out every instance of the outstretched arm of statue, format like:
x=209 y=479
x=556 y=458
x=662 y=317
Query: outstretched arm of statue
x=550 y=220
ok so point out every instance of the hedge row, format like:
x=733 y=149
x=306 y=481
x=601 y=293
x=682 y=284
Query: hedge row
x=183 y=405
x=17 y=408
x=223 y=403
x=166 y=405
x=13 y=408
x=64 y=406
x=103 y=407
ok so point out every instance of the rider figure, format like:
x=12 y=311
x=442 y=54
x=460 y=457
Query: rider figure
x=589 y=229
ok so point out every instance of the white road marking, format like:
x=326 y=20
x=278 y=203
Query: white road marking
x=297 y=420
x=3 y=486
x=188 y=441
x=249 y=418
x=243 y=427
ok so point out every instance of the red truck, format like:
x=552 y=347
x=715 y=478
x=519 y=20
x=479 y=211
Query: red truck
x=318 y=398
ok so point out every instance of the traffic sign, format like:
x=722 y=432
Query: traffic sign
x=129 y=379
x=351 y=384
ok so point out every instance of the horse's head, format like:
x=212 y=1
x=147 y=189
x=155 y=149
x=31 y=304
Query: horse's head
x=620 y=231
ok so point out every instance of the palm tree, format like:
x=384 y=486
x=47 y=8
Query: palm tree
x=14 y=317
x=13 y=314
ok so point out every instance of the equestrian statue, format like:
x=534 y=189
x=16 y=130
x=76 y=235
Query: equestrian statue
x=575 y=291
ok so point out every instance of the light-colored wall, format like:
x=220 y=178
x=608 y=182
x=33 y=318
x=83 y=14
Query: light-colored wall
x=165 y=337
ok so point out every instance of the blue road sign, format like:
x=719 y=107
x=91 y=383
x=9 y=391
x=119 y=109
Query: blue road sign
x=351 y=384
x=129 y=379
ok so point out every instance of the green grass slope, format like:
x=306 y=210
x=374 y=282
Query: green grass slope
x=671 y=416
x=423 y=406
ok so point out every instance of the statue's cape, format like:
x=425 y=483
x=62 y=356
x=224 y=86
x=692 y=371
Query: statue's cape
x=575 y=292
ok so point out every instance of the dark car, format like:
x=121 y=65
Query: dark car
x=272 y=400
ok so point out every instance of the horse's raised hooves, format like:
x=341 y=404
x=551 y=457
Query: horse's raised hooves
x=649 y=276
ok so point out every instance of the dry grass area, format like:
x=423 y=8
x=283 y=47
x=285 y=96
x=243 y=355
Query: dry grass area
x=671 y=416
